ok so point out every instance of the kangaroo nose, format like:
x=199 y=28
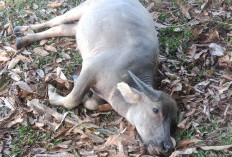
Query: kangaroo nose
x=167 y=146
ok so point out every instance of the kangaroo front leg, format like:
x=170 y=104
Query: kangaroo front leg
x=61 y=30
x=72 y=15
x=81 y=86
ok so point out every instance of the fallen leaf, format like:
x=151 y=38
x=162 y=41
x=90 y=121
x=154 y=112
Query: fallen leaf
x=19 y=119
x=23 y=85
x=3 y=83
x=216 y=50
x=55 y=4
x=13 y=63
x=2 y=5
x=60 y=74
x=28 y=11
x=150 y=6
x=177 y=87
x=192 y=51
x=41 y=52
x=187 y=151
x=201 y=86
x=66 y=154
x=224 y=87
x=64 y=144
x=50 y=48
x=15 y=76
x=4 y=58
x=188 y=142
x=65 y=55
x=184 y=10
x=182 y=124
x=104 y=108
x=198 y=55
x=10 y=103
x=217 y=148
x=42 y=42
x=40 y=72
x=25 y=52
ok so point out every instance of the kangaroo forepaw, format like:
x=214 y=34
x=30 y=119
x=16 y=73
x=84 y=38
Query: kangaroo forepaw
x=19 y=43
x=57 y=100
x=54 y=97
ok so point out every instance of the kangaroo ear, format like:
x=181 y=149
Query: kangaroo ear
x=131 y=95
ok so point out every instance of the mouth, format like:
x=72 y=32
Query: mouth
x=155 y=147
x=154 y=150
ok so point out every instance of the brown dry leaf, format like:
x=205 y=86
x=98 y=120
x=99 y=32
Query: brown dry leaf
x=184 y=10
x=41 y=51
x=42 y=42
x=66 y=154
x=23 y=58
x=64 y=144
x=198 y=55
x=150 y=6
x=19 y=119
x=23 y=85
x=217 y=148
x=10 y=50
x=104 y=108
x=227 y=77
x=10 y=103
x=213 y=36
x=41 y=108
x=87 y=153
x=197 y=30
x=59 y=83
x=112 y=139
x=187 y=151
x=55 y=4
x=4 y=56
x=188 y=142
x=182 y=124
x=2 y=4
x=13 y=63
x=192 y=51
x=201 y=86
x=95 y=138
x=50 y=48
x=62 y=43
x=1 y=148
x=177 y=87
x=28 y=11
x=224 y=87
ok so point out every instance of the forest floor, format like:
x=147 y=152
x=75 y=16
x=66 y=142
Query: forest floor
x=195 y=39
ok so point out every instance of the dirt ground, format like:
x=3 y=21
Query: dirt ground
x=195 y=67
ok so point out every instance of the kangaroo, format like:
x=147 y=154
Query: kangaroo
x=119 y=46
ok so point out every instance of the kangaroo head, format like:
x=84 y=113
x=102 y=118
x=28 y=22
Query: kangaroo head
x=152 y=112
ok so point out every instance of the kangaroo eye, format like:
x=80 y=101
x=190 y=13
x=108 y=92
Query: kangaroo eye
x=155 y=110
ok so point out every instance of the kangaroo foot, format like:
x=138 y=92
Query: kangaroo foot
x=19 y=43
x=19 y=30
